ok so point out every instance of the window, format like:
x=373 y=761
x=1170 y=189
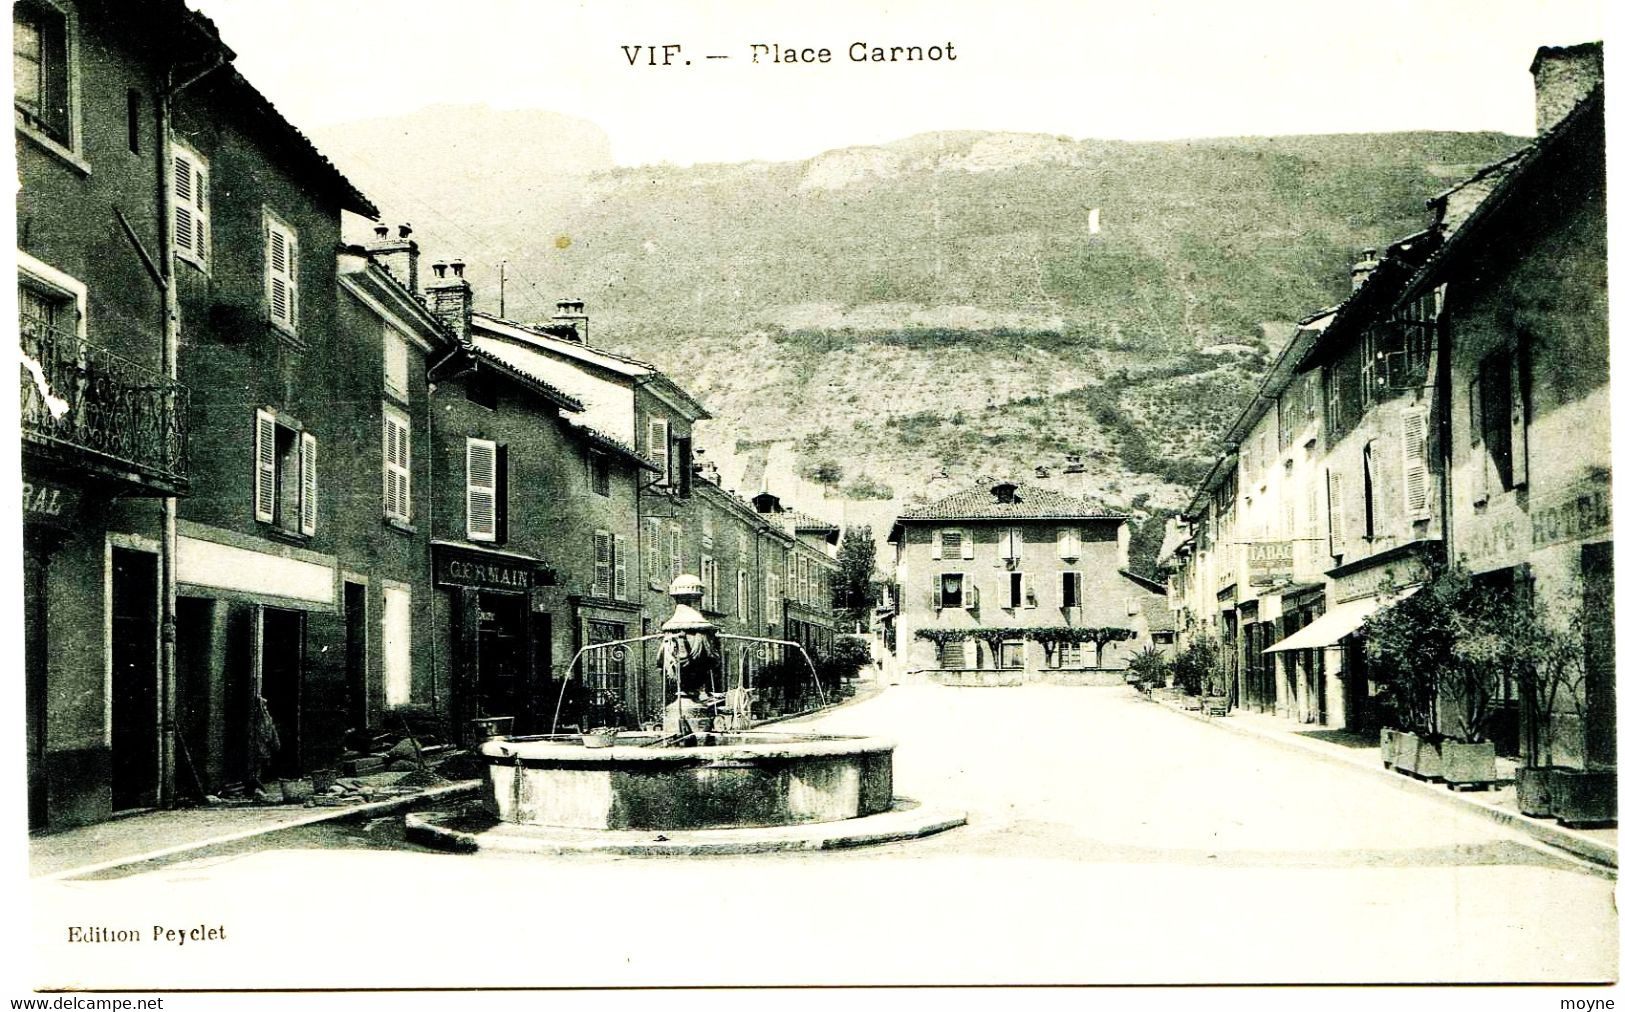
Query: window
x=598 y=466
x=42 y=71
x=1503 y=400
x=954 y=544
x=1414 y=436
x=950 y=591
x=609 y=565
x=397 y=645
x=281 y=274
x=674 y=549
x=660 y=448
x=397 y=365
x=132 y=120
x=397 y=465
x=1069 y=543
x=604 y=674
x=1368 y=458
x=284 y=474
x=652 y=554
x=1069 y=655
x=953 y=654
x=708 y=576
x=1071 y=591
x=486 y=490
x=1010 y=544
x=1012 y=654
x=190 y=202
x=1334 y=512
x=1019 y=591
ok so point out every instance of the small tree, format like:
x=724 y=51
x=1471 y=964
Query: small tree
x=1149 y=668
x=854 y=575
x=1408 y=644
x=1547 y=658
x=1198 y=666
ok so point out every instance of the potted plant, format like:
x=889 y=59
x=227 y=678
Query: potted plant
x=1407 y=643
x=1548 y=660
x=1469 y=682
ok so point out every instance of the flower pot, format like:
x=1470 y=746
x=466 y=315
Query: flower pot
x=1405 y=748
x=1429 y=760
x=1216 y=706
x=599 y=739
x=1583 y=797
x=1390 y=745
x=1535 y=791
x=1465 y=762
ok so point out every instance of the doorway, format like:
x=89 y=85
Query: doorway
x=355 y=657
x=503 y=655
x=282 y=656
x=134 y=632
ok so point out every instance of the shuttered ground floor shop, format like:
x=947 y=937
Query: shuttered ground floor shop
x=498 y=637
x=261 y=685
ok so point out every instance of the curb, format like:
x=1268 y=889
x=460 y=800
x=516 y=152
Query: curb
x=388 y=806
x=1547 y=833
x=893 y=826
x=857 y=697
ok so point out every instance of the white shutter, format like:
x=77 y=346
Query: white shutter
x=603 y=563
x=264 y=466
x=675 y=537
x=936 y=591
x=1071 y=543
x=1334 y=512
x=281 y=274
x=481 y=501
x=973 y=597
x=1029 y=589
x=936 y=544
x=397 y=466
x=620 y=567
x=659 y=447
x=967 y=543
x=397 y=364
x=307 y=484
x=1060 y=590
x=1015 y=542
x=1415 y=438
x=651 y=550
x=191 y=214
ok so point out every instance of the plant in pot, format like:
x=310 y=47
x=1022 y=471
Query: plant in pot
x=1407 y=643
x=1547 y=658
x=1469 y=684
x=1193 y=668
x=1147 y=669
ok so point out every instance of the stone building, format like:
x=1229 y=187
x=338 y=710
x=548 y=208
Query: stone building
x=169 y=212
x=994 y=570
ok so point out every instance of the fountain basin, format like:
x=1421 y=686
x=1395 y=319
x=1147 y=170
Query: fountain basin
x=735 y=780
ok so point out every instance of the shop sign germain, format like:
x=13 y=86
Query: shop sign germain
x=469 y=569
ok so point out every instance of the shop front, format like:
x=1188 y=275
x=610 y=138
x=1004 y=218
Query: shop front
x=499 y=642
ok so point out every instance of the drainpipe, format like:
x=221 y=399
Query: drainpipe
x=170 y=365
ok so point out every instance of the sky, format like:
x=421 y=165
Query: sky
x=1142 y=69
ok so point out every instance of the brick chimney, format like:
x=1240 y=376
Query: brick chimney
x=450 y=297
x=1563 y=76
x=1362 y=268
x=573 y=313
x=398 y=255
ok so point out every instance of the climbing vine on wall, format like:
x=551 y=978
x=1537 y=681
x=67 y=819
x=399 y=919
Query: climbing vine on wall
x=1049 y=636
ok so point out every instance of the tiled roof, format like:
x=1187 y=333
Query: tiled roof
x=605 y=441
x=1031 y=502
x=541 y=386
x=807 y=522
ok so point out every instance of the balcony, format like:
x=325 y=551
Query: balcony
x=93 y=411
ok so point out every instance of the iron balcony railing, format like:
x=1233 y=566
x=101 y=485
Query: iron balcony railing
x=116 y=414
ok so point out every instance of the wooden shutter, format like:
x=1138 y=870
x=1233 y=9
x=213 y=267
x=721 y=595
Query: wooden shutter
x=1519 y=423
x=281 y=274
x=620 y=567
x=1060 y=590
x=481 y=498
x=972 y=596
x=660 y=447
x=1334 y=512
x=936 y=544
x=674 y=549
x=651 y=551
x=264 y=466
x=397 y=466
x=502 y=492
x=307 y=484
x=603 y=563
x=1029 y=589
x=1071 y=543
x=191 y=214
x=936 y=591
x=1415 y=442
x=967 y=543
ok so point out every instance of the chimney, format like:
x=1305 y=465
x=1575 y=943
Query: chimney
x=766 y=502
x=574 y=313
x=450 y=297
x=1563 y=76
x=399 y=255
x=1363 y=268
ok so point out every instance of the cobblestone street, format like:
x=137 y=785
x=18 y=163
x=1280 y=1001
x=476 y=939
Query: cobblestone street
x=1111 y=840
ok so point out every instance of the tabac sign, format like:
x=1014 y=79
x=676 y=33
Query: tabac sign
x=462 y=567
x=1269 y=563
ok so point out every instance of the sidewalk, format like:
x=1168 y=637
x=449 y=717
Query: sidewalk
x=1499 y=804
x=151 y=836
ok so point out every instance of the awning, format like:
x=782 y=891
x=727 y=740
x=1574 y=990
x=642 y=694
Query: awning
x=1338 y=622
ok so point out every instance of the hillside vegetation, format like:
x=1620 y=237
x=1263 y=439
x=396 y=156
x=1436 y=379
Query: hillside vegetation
x=926 y=311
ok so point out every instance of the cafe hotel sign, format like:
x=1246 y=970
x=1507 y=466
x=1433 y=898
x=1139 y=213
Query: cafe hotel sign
x=463 y=567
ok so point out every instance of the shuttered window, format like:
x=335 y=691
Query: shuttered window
x=674 y=550
x=953 y=654
x=265 y=466
x=397 y=465
x=660 y=447
x=1010 y=544
x=481 y=498
x=1415 y=441
x=1334 y=512
x=1071 y=543
x=620 y=567
x=603 y=563
x=307 y=484
x=951 y=541
x=191 y=207
x=653 y=557
x=281 y=274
